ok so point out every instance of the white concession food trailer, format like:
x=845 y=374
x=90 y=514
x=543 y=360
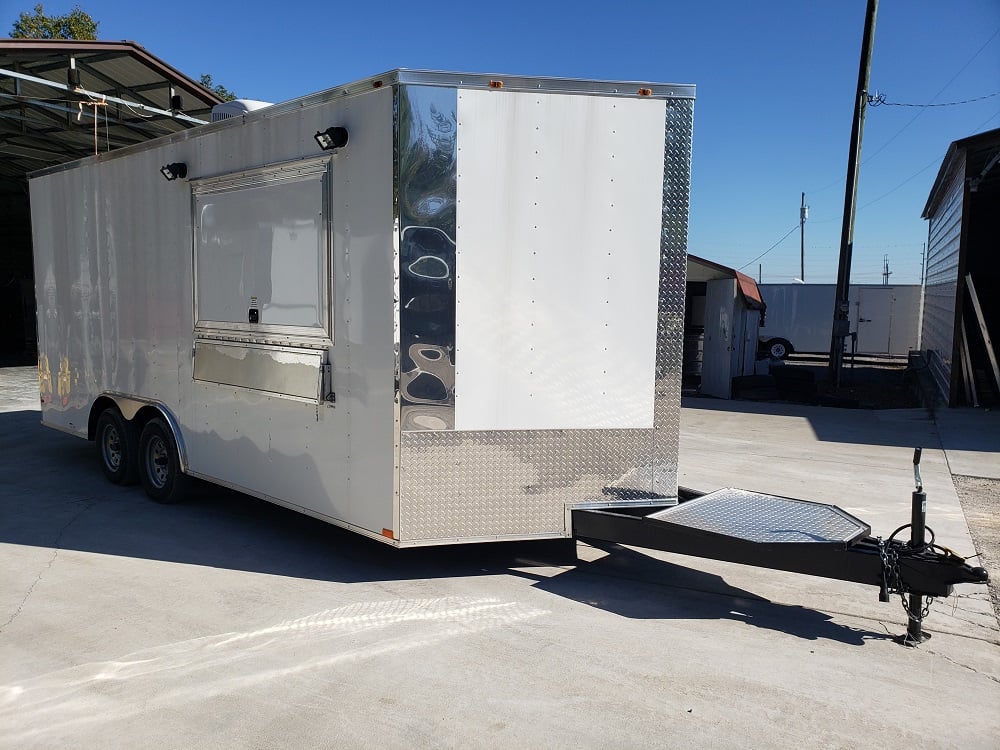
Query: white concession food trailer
x=428 y=307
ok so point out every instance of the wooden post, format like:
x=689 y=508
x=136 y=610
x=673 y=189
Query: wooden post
x=982 y=327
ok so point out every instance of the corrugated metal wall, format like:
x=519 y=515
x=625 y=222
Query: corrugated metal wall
x=941 y=278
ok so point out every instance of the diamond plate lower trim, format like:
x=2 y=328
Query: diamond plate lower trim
x=457 y=485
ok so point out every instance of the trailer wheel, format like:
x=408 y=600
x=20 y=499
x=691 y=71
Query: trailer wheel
x=779 y=348
x=117 y=447
x=159 y=464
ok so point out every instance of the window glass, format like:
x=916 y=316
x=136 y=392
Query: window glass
x=261 y=246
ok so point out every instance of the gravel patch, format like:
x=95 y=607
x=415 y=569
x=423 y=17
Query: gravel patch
x=981 y=503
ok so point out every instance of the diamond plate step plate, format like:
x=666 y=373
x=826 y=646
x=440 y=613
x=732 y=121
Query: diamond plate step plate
x=768 y=519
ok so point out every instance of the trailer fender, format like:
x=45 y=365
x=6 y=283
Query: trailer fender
x=140 y=410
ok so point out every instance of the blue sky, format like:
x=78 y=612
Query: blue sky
x=775 y=85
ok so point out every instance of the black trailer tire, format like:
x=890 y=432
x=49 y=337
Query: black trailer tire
x=159 y=463
x=778 y=348
x=117 y=447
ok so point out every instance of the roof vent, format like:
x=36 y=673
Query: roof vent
x=236 y=108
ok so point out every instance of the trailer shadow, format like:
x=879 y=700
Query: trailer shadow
x=52 y=495
x=632 y=584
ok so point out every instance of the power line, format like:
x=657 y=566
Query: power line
x=913 y=176
x=922 y=109
x=951 y=80
x=878 y=100
x=922 y=170
x=991 y=117
x=787 y=234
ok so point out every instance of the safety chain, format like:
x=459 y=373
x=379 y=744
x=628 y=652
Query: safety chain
x=890 y=567
x=918 y=617
x=893 y=584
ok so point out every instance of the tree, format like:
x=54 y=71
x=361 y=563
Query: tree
x=73 y=25
x=217 y=88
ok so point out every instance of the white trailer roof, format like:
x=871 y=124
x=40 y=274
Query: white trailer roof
x=625 y=89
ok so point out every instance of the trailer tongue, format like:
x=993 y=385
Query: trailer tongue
x=782 y=533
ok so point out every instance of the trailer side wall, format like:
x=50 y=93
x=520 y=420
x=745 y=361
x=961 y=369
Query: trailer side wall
x=115 y=246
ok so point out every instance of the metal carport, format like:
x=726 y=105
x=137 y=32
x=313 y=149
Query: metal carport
x=61 y=100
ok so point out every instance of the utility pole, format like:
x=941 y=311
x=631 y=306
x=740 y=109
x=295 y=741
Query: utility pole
x=760 y=273
x=923 y=262
x=886 y=273
x=841 y=309
x=803 y=215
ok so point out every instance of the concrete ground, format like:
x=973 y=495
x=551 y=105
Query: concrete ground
x=226 y=622
x=972 y=441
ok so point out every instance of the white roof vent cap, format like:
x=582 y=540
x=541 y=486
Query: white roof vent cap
x=236 y=108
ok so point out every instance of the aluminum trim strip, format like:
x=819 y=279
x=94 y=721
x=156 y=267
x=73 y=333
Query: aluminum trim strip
x=482 y=540
x=548 y=85
x=284 y=170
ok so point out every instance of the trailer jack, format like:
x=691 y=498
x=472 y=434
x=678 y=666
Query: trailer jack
x=798 y=536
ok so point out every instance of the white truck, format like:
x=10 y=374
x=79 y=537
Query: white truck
x=428 y=307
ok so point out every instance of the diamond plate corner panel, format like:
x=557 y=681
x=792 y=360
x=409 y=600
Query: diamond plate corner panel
x=673 y=282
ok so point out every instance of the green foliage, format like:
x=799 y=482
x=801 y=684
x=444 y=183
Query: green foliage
x=221 y=91
x=73 y=25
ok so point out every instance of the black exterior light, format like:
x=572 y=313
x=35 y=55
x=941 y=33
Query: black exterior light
x=175 y=170
x=331 y=138
x=73 y=74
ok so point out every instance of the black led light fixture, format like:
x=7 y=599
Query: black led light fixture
x=175 y=170
x=331 y=138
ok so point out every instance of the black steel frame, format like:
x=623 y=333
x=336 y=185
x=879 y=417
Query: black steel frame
x=920 y=571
